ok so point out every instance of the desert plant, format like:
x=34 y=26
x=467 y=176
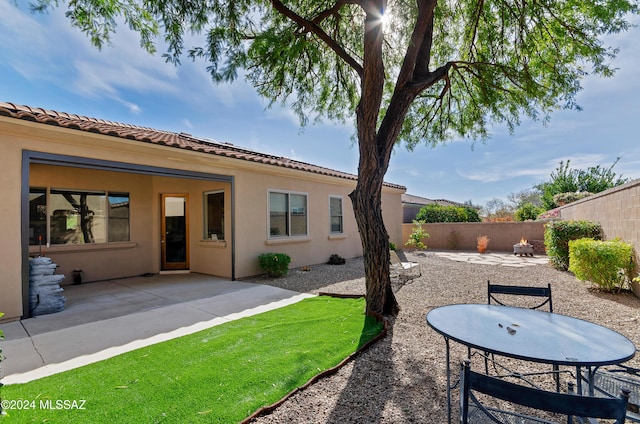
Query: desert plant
x=557 y=235
x=275 y=264
x=336 y=259
x=453 y=240
x=417 y=235
x=483 y=243
x=608 y=264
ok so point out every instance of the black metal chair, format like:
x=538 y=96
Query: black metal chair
x=497 y=293
x=609 y=381
x=498 y=289
x=474 y=411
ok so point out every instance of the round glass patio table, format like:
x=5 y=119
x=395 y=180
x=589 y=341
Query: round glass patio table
x=531 y=335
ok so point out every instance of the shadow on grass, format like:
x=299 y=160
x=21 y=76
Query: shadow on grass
x=374 y=329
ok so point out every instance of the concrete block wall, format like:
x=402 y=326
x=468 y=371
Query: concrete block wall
x=616 y=209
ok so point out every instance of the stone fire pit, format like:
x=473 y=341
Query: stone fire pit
x=523 y=249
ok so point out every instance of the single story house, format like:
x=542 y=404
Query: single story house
x=108 y=200
x=411 y=205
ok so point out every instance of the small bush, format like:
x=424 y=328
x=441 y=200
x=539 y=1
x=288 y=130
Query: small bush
x=275 y=264
x=453 y=240
x=483 y=242
x=417 y=235
x=392 y=246
x=557 y=235
x=608 y=264
x=336 y=260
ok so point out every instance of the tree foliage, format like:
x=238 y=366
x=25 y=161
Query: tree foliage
x=497 y=210
x=531 y=195
x=527 y=211
x=429 y=71
x=568 y=180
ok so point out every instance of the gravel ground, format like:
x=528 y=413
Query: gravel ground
x=402 y=378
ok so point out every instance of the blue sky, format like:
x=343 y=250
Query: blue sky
x=44 y=62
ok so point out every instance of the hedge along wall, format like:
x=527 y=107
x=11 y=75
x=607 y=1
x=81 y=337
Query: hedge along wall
x=502 y=235
x=616 y=209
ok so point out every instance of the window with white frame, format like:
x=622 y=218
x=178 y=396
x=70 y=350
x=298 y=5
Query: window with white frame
x=214 y=215
x=288 y=215
x=58 y=216
x=335 y=215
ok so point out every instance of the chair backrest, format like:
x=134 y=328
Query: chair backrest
x=544 y=292
x=571 y=405
x=395 y=259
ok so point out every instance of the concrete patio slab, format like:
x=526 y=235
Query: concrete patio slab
x=500 y=259
x=108 y=318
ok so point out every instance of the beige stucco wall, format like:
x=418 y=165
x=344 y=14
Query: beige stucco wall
x=10 y=233
x=252 y=235
x=502 y=235
x=142 y=254
x=616 y=209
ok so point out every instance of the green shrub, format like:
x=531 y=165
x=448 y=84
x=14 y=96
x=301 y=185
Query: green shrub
x=439 y=213
x=392 y=246
x=557 y=235
x=608 y=264
x=527 y=211
x=417 y=235
x=275 y=264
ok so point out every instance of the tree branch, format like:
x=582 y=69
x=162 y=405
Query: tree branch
x=314 y=28
x=334 y=10
x=419 y=50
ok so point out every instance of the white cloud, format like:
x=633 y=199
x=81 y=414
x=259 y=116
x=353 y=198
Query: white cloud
x=277 y=112
x=63 y=56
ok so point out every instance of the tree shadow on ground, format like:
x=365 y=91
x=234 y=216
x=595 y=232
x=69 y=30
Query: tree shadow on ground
x=379 y=392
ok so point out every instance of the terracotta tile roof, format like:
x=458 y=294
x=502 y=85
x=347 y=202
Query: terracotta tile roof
x=165 y=138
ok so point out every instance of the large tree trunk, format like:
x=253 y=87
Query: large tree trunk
x=367 y=207
x=375 y=153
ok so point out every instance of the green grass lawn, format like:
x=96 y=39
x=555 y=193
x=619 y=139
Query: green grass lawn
x=219 y=375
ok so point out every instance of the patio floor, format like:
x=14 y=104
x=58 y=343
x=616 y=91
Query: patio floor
x=107 y=318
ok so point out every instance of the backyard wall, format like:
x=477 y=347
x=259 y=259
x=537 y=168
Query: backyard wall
x=502 y=235
x=616 y=209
